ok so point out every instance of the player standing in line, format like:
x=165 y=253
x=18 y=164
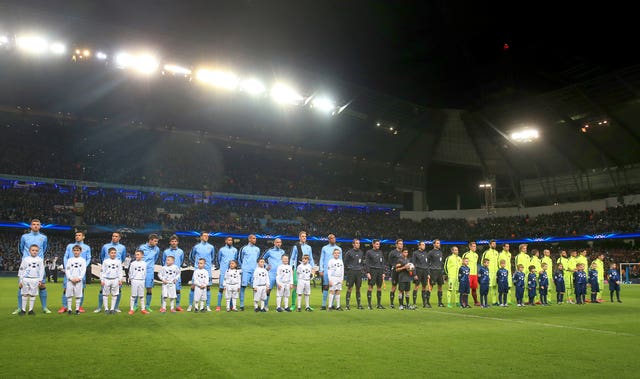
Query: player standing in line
x=546 y=258
x=436 y=270
x=169 y=275
x=137 y=276
x=86 y=254
x=30 y=279
x=232 y=279
x=353 y=260
x=260 y=286
x=463 y=283
x=452 y=266
x=206 y=251
x=421 y=274
x=298 y=250
x=582 y=258
x=374 y=266
x=201 y=281
x=75 y=270
x=284 y=281
x=121 y=254
x=532 y=284
x=226 y=254
x=505 y=255
x=523 y=258
x=248 y=260
x=178 y=258
x=325 y=256
x=535 y=260
x=111 y=280
x=580 y=283
x=558 y=280
x=34 y=237
x=335 y=268
x=503 y=283
x=570 y=268
x=273 y=259
x=567 y=280
x=305 y=272
x=472 y=257
x=405 y=269
x=599 y=261
x=483 y=281
x=392 y=259
x=613 y=276
x=151 y=254
x=593 y=282
x=518 y=282
x=492 y=255
x=543 y=283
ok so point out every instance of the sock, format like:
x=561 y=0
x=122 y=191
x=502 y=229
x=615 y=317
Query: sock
x=209 y=297
x=69 y=300
x=400 y=299
x=428 y=297
x=531 y=300
x=561 y=297
x=294 y=295
x=392 y=296
x=20 y=298
x=331 y=296
x=178 y=298
x=266 y=302
x=617 y=295
x=358 y=297
x=424 y=297
x=43 y=297
x=228 y=303
x=133 y=303
x=148 y=299
x=414 y=296
x=82 y=299
x=32 y=303
x=25 y=299
x=299 y=301
x=379 y=296
x=286 y=302
x=142 y=302
x=369 y=297
x=474 y=293
x=118 y=300
x=64 y=298
x=219 y=297
x=278 y=301
x=104 y=301
x=242 y=296
x=348 y=298
x=337 y=299
x=173 y=303
x=449 y=293
x=261 y=304
x=611 y=293
x=324 y=297
x=461 y=300
x=101 y=299
x=406 y=299
x=78 y=302
x=164 y=303
x=255 y=303
x=306 y=300
x=439 y=297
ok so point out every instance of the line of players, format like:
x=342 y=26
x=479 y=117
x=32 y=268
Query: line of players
x=426 y=269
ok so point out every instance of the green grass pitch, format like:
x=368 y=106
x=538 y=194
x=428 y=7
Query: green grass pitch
x=564 y=341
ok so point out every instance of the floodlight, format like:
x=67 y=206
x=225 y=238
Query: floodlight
x=175 y=69
x=4 y=40
x=252 y=86
x=86 y=53
x=146 y=64
x=323 y=104
x=124 y=60
x=58 y=48
x=32 y=44
x=525 y=135
x=284 y=94
x=100 y=55
x=218 y=78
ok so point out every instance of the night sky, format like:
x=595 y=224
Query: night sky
x=434 y=53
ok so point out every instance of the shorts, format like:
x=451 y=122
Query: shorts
x=231 y=292
x=614 y=286
x=259 y=293
x=404 y=286
x=148 y=281
x=337 y=284
x=463 y=288
x=304 y=287
x=560 y=287
x=531 y=292
x=169 y=291
x=503 y=287
x=111 y=287
x=137 y=288
x=285 y=291
x=484 y=289
x=29 y=287
x=73 y=289
x=595 y=287
x=199 y=294
x=423 y=276
x=354 y=277
x=247 y=277
x=376 y=277
x=473 y=281
x=437 y=277
x=395 y=276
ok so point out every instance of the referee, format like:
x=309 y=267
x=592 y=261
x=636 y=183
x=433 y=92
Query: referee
x=374 y=265
x=419 y=259
x=353 y=260
x=436 y=270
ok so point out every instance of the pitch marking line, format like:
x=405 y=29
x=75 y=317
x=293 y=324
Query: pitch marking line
x=539 y=323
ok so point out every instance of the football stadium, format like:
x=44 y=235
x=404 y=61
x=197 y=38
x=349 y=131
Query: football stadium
x=318 y=189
